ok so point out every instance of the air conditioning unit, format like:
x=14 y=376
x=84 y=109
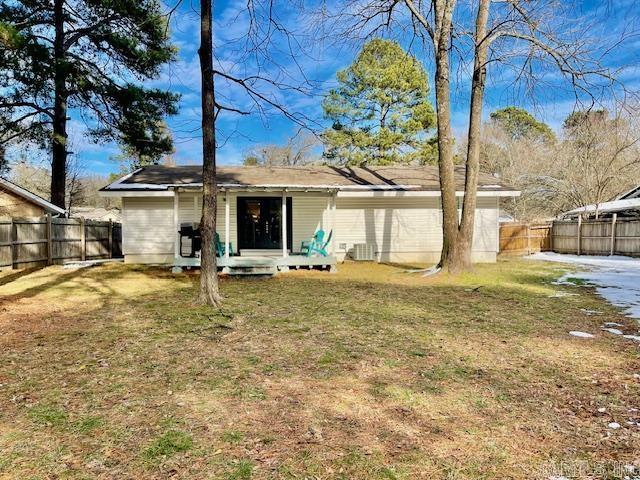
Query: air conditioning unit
x=363 y=252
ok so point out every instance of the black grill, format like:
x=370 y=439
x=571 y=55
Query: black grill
x=188 y=230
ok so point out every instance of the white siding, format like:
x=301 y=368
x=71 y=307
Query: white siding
x=485 y=232
x=309 y=215
x=190 y=211
x=409 y=228
x=147 y=228
x=400 y=228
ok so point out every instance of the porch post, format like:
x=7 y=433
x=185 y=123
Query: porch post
x=227 y=209
x=176 y=227
x=332 y=216
x=285 y=253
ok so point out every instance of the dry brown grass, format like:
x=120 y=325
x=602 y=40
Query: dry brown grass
x=112 y=372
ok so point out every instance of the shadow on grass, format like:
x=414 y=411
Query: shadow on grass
x=10 y=277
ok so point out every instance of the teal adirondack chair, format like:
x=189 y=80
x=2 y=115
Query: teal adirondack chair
x=316 y=245
x=220 y=247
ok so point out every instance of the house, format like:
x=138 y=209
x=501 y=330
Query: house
x=16 y=201
x=99 y=214
x=625 y=205
x=387 y=214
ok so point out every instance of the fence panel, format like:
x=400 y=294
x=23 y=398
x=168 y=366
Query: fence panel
x=38 y=241
x=29 y=238
x=6 y=246
x=597 y=237
x=627 y=239
x=522 y=239
x=564 y=237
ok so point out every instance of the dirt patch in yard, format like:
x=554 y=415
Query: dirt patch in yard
x=113 y=372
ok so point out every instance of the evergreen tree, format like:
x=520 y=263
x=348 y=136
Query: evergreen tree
x=520 y=124
x=86 y=57
x=380 y=110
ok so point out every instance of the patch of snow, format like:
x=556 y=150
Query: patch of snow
x=431 y=271
x=616 y=278
x=614 y=425
x=575 y=333
x=602 y=410
x=613 y=324
x=615 y=331
x=586 y=311
x=632 y=337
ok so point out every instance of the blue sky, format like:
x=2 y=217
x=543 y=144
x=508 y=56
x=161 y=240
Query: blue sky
x=318 y=61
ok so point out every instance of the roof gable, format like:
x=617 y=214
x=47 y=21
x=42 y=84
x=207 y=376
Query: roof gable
x=31 y=197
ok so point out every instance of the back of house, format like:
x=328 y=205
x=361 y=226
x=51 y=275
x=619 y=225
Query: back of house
x=386 y=214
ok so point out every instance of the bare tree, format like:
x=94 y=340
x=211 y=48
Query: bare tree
x=299 y=150
x=596 y=158
x=529 y=37
x=261 y=89
x=209 y=291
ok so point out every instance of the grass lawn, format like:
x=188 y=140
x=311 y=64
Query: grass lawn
x=372 y=373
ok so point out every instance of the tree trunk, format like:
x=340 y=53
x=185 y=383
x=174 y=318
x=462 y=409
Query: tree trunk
x=444 y=10
x=462 y=259
x=209 y=291
x=59 y=140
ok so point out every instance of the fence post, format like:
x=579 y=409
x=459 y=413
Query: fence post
x=614 y=219
x=49 y=240
x=12 y=239
x=110 y=238
x=83 y=239
x=528 y=239
x=579 y=234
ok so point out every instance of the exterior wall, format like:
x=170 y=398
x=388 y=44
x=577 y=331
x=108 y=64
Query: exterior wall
x=402 y=229
x=308 y=214
x=147 y=229
x=12 y=205
x=408 y=229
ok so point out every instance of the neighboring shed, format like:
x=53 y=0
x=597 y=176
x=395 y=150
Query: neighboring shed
x=394 y=212
x=633 y=193
x=16 y=201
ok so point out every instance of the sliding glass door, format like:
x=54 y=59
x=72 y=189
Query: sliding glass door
x=260 y=223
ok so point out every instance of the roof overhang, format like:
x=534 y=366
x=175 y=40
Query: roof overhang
x=31 y=197
x=119 y=189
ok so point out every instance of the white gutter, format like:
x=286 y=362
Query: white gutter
x=343 y=189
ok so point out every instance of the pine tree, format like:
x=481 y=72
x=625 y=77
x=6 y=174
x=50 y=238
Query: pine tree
x=86 y=57
x=519 y=124
x=380 y=110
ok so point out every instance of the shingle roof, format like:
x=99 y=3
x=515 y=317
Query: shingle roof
x=159 y=177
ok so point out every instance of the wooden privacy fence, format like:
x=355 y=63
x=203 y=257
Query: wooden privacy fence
x=610 y=236
x=523 y=239
x=39 y=241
